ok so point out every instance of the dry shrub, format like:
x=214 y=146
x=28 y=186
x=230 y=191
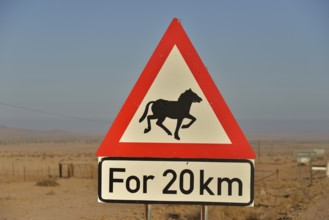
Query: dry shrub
x=173 y=216
x=47 y=182
x=297 y=197
x=252 y=216
x=193 y=216
x=51 y=193
x=301 y=194
x=189 y=216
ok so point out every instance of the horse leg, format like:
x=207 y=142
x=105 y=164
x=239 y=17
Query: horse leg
x=159 y=123
x=179 y=123
x=149 y=118
x=193 y=119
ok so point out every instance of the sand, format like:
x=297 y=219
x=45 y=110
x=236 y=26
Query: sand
x=279 y=191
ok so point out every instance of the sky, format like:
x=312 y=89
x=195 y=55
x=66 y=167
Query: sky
x=71 y=64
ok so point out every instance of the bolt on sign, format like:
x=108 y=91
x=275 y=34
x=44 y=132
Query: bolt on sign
x=175 y=139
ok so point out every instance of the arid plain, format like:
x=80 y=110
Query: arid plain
x=31 y=186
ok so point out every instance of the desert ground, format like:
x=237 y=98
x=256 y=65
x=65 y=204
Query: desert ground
x=31 y=186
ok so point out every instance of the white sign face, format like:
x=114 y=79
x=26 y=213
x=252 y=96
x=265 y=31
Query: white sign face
x=193 y=181
x=173 y=79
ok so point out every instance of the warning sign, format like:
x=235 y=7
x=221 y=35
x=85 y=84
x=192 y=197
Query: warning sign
x=200 y=125
x=175 y=109
x=175 y=139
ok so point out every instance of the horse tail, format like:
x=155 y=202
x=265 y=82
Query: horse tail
x=145 y=111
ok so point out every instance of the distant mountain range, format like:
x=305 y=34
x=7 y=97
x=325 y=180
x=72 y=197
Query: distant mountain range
x=288 y=129
x=19 y=134
x=278 y=129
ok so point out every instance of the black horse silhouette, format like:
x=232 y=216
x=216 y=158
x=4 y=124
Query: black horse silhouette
x=172 y=109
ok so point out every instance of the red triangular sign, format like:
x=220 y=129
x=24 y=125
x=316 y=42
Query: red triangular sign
x=175 y=110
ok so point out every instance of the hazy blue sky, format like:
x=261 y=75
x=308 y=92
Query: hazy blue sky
x=269 y=59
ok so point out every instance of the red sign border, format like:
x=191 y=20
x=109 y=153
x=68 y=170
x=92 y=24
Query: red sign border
x=111 y=145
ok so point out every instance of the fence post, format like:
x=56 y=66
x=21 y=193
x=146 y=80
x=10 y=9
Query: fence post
x=72 y=167
x=258 y=143
x=60 y=170
x=24 y=173
x=70 y=170
x=311 y=174
x=13 y=168
x=91 y=171
x=299 y=172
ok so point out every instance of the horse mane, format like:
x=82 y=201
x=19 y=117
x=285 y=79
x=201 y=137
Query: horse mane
x=183 y=96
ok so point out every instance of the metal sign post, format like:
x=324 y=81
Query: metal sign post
x=148 y=209
x=303 y=156
x=204 y=212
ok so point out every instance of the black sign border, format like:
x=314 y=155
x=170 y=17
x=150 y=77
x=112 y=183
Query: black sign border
x=177 y=202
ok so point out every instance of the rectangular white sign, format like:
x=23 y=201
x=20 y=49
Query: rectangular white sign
x=194 y=181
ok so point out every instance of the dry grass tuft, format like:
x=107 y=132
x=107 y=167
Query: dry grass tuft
x=47 y=182
x=173 y=216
